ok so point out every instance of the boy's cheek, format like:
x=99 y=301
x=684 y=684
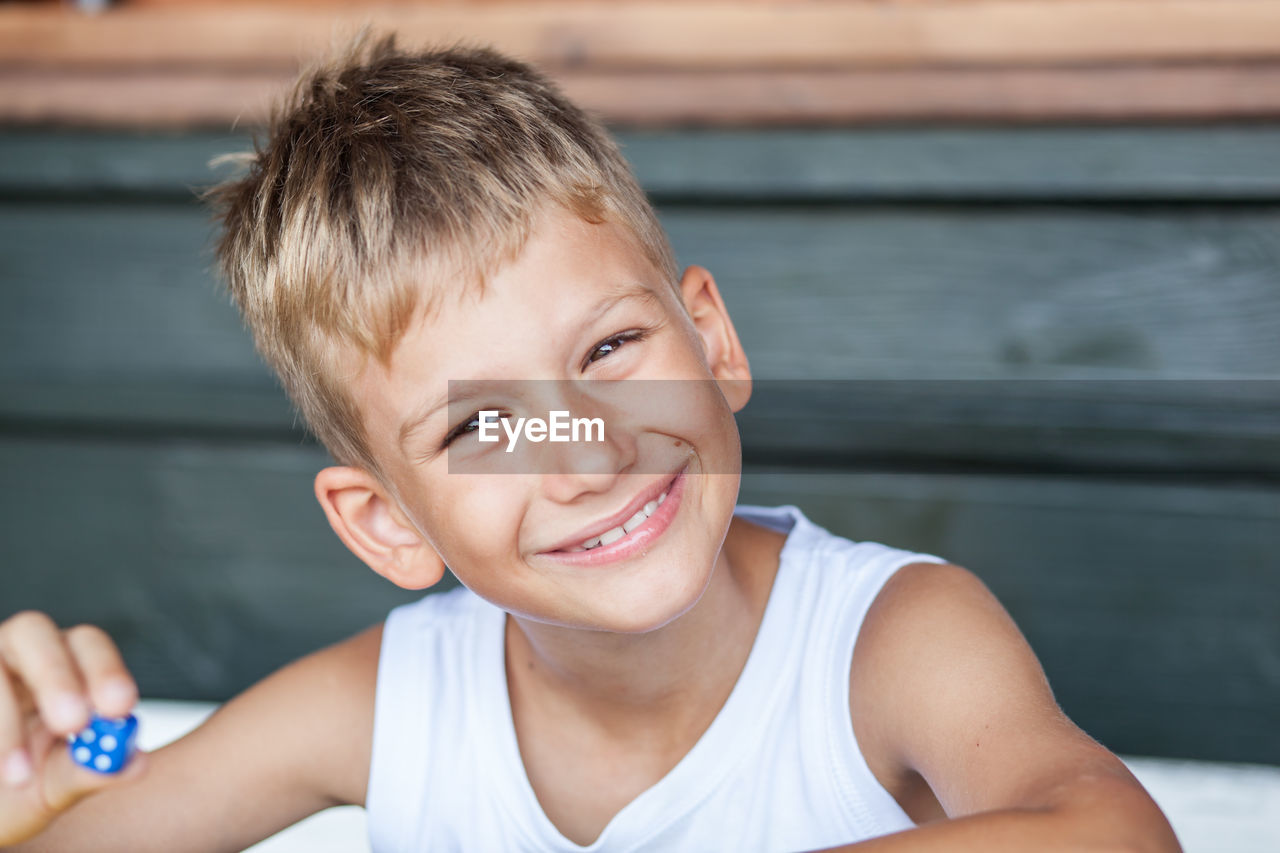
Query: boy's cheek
x=696 y=412
x=464 y=515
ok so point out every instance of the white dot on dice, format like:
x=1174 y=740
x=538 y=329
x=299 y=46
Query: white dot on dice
x=82 y=754
x=102 y=762
x=108 y=742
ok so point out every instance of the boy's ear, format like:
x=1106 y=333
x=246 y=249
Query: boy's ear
x=725 y=356
x=370 y=523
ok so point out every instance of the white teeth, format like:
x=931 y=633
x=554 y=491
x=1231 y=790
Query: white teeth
x=613 y=535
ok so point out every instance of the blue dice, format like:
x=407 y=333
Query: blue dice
x=106 y=744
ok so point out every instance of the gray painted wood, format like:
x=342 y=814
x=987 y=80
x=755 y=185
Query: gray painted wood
x=210 y=564
x=958 y=164
x=104 y=289
x=1013 y=163
x=1170 y=428
x=898 y=292
x=129 y=334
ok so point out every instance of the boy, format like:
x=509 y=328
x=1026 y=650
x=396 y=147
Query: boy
x=630 y=663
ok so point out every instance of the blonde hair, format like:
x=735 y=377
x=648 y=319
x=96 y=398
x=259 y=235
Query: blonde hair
x=383 y=169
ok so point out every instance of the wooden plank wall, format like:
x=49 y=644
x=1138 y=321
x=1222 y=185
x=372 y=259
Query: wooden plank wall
x=185 y=63
x=1105 y=451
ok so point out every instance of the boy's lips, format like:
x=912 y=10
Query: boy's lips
x=571 y=546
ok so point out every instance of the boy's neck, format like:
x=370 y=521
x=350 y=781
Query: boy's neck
x=668 y=683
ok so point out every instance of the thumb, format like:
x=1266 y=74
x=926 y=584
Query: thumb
x=66 y=782
x=57 y=785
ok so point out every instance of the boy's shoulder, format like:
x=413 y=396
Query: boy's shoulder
x=943 y=687
x=948 y=706
x=901 y=641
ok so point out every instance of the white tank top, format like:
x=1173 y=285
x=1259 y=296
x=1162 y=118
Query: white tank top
x=778 y=768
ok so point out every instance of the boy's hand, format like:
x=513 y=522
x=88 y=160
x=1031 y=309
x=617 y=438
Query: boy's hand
x=50 y=682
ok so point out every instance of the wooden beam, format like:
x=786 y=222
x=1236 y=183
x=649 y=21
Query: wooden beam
x=661 y=33
x=138 y=98
x=215 y=98
x=1103 y=94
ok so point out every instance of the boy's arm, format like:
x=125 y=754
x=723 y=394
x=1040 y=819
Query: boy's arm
x=297 y=742
x=944 y=685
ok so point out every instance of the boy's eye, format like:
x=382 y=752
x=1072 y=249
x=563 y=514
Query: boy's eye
x=471 y=424
x=611 y=345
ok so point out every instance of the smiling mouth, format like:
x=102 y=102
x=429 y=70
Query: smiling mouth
x=626 y=528
x=613 y=534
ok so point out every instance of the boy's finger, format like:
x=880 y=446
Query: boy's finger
x=15 y=761
x=110 y=685
x=33 y=649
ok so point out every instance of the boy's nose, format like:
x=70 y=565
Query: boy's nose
x=570 y=469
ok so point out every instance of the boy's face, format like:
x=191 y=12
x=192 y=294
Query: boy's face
x=568 y=308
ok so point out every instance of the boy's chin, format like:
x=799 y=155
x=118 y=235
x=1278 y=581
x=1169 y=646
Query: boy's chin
x=634 y=613
x=644 y=613
x=644 y=622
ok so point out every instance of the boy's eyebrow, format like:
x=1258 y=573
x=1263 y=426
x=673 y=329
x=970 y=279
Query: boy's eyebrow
x=618 y=294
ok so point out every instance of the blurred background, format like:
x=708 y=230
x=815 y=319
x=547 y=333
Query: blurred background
x=1067 y=209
